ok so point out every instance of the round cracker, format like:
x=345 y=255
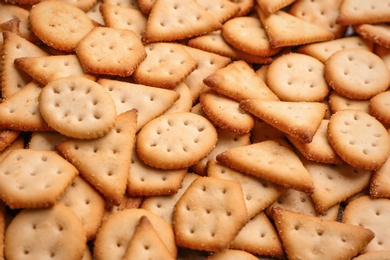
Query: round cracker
x=176 y=141
x=59 y=24
x=356 y=73
x=359 y=139
x=77 y=107
x=380 y=106
x=55 y=233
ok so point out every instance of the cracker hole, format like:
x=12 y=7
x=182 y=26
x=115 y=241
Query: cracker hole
x=97 y=116
x=228 y=213
x=26 y=251
x=303 y=200
x=350 y=58
x=248 y=198
x=365 y=151
x=380 y=243
x=212 y=234
x=297 y=227
x=320 y=232
x=60 y=228
x=201 y=129
x=110 y=173
x=52 y=254
x=192 y=230
x=164 y=178
x=204 y=188
x=146 y=247
x=158 y=205
x=208 y=211
x=377 y=213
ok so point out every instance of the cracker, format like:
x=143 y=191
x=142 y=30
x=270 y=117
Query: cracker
x=323 y=50
x=108 y=163
x=121 y=17
x=380 y=182
x=334 y=184
x=323 y=238
x=163 y=205
x=239 y=81
x=232 y=254
x=128 y=3
x=127 y=202
x=209 y=225
x=2 y=228
x=14 y=46
x=338 y=102
x=221 y=9
x=297 y=77
x=116 y=232
x=7 y=137
x=246 y=6
x=51 y=20
x=166 y=65
x=270 y=7
x=297 y=119
x=55 y=232
x=100 y=53
x=356 y=73
x=10 y=11
x=319 y=149
x=207 y=63
x=150 y=102
x=281 y=28
x=225 y=113
x=87 y=203
x=146 y=5
x=21 y=111
x=237 y=30
x=48 y=68
x=44 y=140
x=177 y=20
x=377 y=33
x=77 y=107
x=271 y=160
x=184 y=103
x=17 y=144
x=146 y=243
x=322 y=13
x=378 y=255
x=302 y=203
x=34 y=178
x=215 y=43
x=258 y=193
x=259 y=237
x=94 y=13
x=176 y=141
x=84 y=5
x=226 y=140
x=371 y=214
x=379 y=106
x=359 y=139
x=144 y=180
x=363 y=11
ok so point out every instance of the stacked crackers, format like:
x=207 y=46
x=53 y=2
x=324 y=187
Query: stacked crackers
x=181 y=129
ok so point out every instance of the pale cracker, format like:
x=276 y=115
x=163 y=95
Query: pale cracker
x=163 y=205
x=323 y=50
x=150 y=102
x=225 y=112
x=184 y=103
x=87 y=203
x=359 y=139
x=231 y=254
x=337 y=102
x=270 y=7
x=377 y=33
x=176 y=141
x=118 y=229
x=34 y=178
x=77 y=107
x=379 y=107
x=226 y=140
x=363 y=11
x=371 y=214
x=223 y=10
x=166 y=65
x=208 y=224
x=259 y=237
x=54 y=232
x=324 y=238
x=51 y=20
x=44 y=140
x=380 y=182
x=258 y=193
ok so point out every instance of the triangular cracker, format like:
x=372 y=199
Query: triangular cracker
x=298 y=119
x=179 y=19
x=21 y=111
x=146 y=243
x=239 y=81
x=322 y=239
x=271 y=160
x=105 y=162
x=259 y=237
x=270 y=7
x=14 y=46
x=282 y=28
x=223 y=10
x=123 y=18
x=208 y=62
x=149 y=102
x=48 y=68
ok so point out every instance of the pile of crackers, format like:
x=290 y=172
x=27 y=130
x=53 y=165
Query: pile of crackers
x=195 y=129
